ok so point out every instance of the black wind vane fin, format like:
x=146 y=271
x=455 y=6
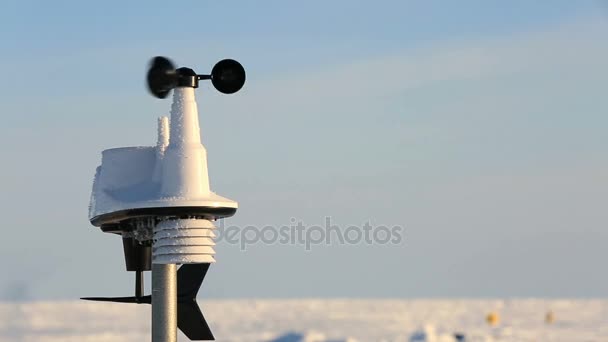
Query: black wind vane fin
x=190 y=319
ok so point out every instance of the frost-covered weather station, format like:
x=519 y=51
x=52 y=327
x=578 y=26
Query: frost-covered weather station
x=158 y=199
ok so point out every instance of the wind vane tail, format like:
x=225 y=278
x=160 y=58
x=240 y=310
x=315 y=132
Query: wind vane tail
x=190 y=319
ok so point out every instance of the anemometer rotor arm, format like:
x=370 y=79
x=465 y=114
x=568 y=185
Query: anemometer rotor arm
x=227 y=76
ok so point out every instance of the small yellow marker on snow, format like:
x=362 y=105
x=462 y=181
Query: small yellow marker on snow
x=493 y=319
x=549 y=317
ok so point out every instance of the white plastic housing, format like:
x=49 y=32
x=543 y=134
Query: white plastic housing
x=171 y=174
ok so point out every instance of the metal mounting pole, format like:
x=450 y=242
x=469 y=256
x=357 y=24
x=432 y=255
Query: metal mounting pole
x=164 y=303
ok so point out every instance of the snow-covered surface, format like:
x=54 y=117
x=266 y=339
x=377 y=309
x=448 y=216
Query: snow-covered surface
x=318 y=320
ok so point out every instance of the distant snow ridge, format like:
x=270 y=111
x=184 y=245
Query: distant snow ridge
x=307 y=337
x=292 y=320
x=429 y=334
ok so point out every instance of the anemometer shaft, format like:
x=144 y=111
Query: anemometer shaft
x=184 y=168
x=164 y=303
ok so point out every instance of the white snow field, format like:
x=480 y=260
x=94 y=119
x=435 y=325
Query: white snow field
x=318 y=320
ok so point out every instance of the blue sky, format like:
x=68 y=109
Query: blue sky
x=479 y=126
